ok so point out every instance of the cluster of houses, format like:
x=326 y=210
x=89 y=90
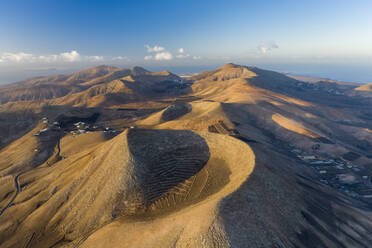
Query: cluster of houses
x=82 y=127
x=340 y=174
x=54 y=125
x=77 y=128
x=319 y=87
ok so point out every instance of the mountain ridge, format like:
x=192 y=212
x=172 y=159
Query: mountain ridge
x=234 y=157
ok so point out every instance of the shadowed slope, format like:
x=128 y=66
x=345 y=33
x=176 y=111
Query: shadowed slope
x=183 y=188
x=138 y=174
x=197 y=224
x=164 y=159
x=34 y=93
x=175 y=111
x=28 y=151
x=198 y=115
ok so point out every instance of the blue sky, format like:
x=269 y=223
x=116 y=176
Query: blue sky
x=57 y=36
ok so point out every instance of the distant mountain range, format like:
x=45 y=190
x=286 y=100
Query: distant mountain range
x=234 y=157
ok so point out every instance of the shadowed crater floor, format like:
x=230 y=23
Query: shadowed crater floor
x=175 y=111
x=165 y=161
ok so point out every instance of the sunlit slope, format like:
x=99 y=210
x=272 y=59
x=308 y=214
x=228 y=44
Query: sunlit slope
x=24 y=155
x=139 y=174
x=176 y=185
x=365 y=87
x=228 y=98
x=235 y=83
x=102 y=85
x=293 y=126
x=73 y=144
x=44 y=88
x=260 y=105
x=198 y=115
x=27 y=151
x=194 y=225
x=97 y=95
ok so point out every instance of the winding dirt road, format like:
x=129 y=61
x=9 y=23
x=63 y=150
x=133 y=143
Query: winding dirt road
x=18 y=189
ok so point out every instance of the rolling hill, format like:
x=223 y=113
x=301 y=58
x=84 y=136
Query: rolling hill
x=235 y=157
x=365 y=87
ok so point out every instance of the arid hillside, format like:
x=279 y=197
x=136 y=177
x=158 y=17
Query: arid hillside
x=365 y=87
x=88 y=84
x=235 y=157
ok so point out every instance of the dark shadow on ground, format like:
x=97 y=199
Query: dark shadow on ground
x=280 y=205
x=176 y=111
x=165 y=158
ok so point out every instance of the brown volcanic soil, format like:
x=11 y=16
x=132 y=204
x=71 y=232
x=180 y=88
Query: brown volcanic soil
x=186 y=187
x=134 y=177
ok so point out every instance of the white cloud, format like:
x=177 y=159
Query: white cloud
x=156 y=48
x=160 y=53
x=16 y=57
x=48 y=58
x=264 y=48
x=182 y=56
x=181 y=50
x=149 y=57
x=120 y=58
x=196 y=57
x=163 y=56
x=72 y=56
x=95 y=58
x=65 y=57
x=160 y=56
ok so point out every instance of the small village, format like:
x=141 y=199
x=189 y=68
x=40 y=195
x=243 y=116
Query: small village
x=320 y=87
x=82 y=127
x=337 y=173
x=340 y=174
x=77 y=128
x=54 y=127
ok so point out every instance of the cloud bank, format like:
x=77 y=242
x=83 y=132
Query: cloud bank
x=163 y=56
x=265 y=48
x=121 y=58
x=67 y=57
x=159 y=53
x=156 y=48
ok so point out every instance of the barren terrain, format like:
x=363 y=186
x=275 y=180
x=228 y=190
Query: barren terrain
x=235 y=157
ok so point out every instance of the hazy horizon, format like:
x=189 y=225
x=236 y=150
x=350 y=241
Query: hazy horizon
x=316 y=38
x=348 y=73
